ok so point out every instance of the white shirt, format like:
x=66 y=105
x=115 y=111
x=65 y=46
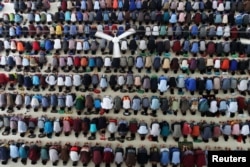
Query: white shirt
x=69 y=102
x=53 y=155
x=79 y=45
x=18 y=60
x=96 y=5
x=196 y=5
x=245 y=130
x=124 y=45
x=13 y=45
x=60 y=81
x=21 y=127
x=6 y=44
x=34 y=102
x=112 y=127
x=107 y=61
x=217 y=63
x=155 y=31
x=142 y=45
x=76 y=80
x=56 y=126
x=69 y=61
x=3 y=60
x=213 y=106
x=242 y=86
x=74 y=156
x=48 y=17
x=57 y=44
x=148 y=31
x=180 y=6
x=126 y=104
x=68 y=81
x=184 y=64
x=220 y=7
x=107 y=103
x=214 y=4
x=37 y=17
x=225 y=19
x=143 y=130
x=121 y=80
x=25 y=62
x=226 y=31
x=155 y=130
x=51 y=80
x=232 y=107
x=73 y=17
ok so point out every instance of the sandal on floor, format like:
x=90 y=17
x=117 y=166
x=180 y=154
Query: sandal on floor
x=123 y=91
x=120 y=140
x=91 y=138
x=10 y=111
x=111 y=139
x=6 y=133
x=131 y=91
x=130 y=138
x=126 y=113
x=41 y=135
x=32 y=136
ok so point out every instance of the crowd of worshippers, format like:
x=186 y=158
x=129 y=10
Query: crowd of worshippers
x=89 y=154
x=121 y=129
x=205 y=23
x=128 y=82
x=126 y=64
x=209 y=106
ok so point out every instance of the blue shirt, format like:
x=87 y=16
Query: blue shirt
x=164 y=157
x=48 y=127
x=79 y=16
x=139 y=62
x=83 y=5
x=91 y=62
x=73 y=30
x=190 y=84
x=67 y=16
x=35 y=80
x=14 y=151
x=155 y=103
x=23 y=153
x=48 y=45
x=175 y=155
x=53 y=100
x=209 y=84
x=45 y=101
x=97 y=103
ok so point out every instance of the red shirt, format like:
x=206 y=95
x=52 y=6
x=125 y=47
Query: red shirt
x=77 y=61
x=3 y=79
x=35 y=45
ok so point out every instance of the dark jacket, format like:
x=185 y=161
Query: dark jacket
x=130 y=156
x=142 y=156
